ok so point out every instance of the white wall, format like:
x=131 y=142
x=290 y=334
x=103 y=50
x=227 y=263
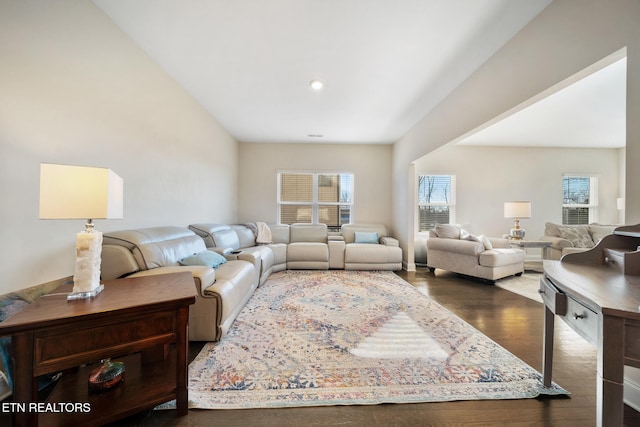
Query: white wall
x=564 y=39
x=486 y=177
x=370 y=163
x=75 y=90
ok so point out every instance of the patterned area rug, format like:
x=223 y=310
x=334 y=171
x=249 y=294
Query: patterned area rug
x=526 y=285
x=309 y=338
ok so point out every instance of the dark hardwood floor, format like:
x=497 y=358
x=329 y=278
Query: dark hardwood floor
x=512 y=321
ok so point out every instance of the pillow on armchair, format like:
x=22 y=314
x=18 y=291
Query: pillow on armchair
x=447 y=231
x=578 y=236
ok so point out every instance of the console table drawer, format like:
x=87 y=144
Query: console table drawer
x=56 y=349
x=553 y=298
x=582 y=320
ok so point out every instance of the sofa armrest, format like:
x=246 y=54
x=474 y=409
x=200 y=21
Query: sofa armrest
x=221 y=251
x=464 y=247
x=203 y=276
x=251 y=257
x=389 y=241
x=117 y=261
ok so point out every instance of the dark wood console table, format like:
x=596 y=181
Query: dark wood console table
x=597 y=293
x=142 y=321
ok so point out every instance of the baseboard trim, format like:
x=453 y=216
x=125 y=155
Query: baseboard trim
x=631 y=392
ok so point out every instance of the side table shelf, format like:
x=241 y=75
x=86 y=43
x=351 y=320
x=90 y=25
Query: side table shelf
x=73 y=387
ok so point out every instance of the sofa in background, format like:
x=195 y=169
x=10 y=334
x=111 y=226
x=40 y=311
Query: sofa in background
x=566 y=239
x=451 y=248
x=234 y=240
x=242 y=260
x=222 y=291
x=369 y=247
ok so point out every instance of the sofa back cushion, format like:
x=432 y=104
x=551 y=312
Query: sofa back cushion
x=246 y=237
x=578 y=235
x=157 y=246
x=349 y=231
x=578 y=238
x=308 y=233
x=280 y=233
x=226 y=239
x=598 y=231
x=206 y=231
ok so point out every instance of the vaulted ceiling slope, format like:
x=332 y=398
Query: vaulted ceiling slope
x=384 y=64
x=588 y=113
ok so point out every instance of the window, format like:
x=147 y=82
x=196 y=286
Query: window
x=579 y=199
x=436 y=200
x=325 y=198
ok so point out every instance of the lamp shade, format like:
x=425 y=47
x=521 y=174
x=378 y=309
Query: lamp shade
x=517 y=209
x=79 y=192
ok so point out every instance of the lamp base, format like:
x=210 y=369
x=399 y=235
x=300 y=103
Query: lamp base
x=517 y=233
x=84 y=295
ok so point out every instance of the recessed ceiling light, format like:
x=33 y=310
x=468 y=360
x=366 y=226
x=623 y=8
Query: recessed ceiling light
x=316 y=85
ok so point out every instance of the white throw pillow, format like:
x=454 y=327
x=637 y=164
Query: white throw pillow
x=480 y=239
x=486 y=242
x=447 y=231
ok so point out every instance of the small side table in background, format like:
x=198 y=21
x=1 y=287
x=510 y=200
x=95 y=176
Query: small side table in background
x=542 y=244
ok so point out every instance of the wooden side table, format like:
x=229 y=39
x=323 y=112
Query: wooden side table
x=142 y=321
x=524 y=244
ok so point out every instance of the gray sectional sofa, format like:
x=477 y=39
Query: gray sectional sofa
x=244 y=264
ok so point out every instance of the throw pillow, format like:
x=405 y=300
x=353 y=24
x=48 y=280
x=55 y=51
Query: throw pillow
x=366 y=237
x=480 y=239
x=598 y=231
x=486 y=242
x=447 y=231
x=578 y=236
x=208 y=258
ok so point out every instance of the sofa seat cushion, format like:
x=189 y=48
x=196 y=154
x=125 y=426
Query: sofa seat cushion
x=366 y=253
x=501 y=256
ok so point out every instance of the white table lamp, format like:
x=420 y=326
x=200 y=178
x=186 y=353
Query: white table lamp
x=79 y=192
x=517 y=210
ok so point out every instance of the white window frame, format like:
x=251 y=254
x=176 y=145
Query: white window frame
x=451 y=204
x=315 y=203
x=593 y=196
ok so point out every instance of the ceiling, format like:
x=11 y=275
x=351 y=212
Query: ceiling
x=385 y=64
x=590 y=113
